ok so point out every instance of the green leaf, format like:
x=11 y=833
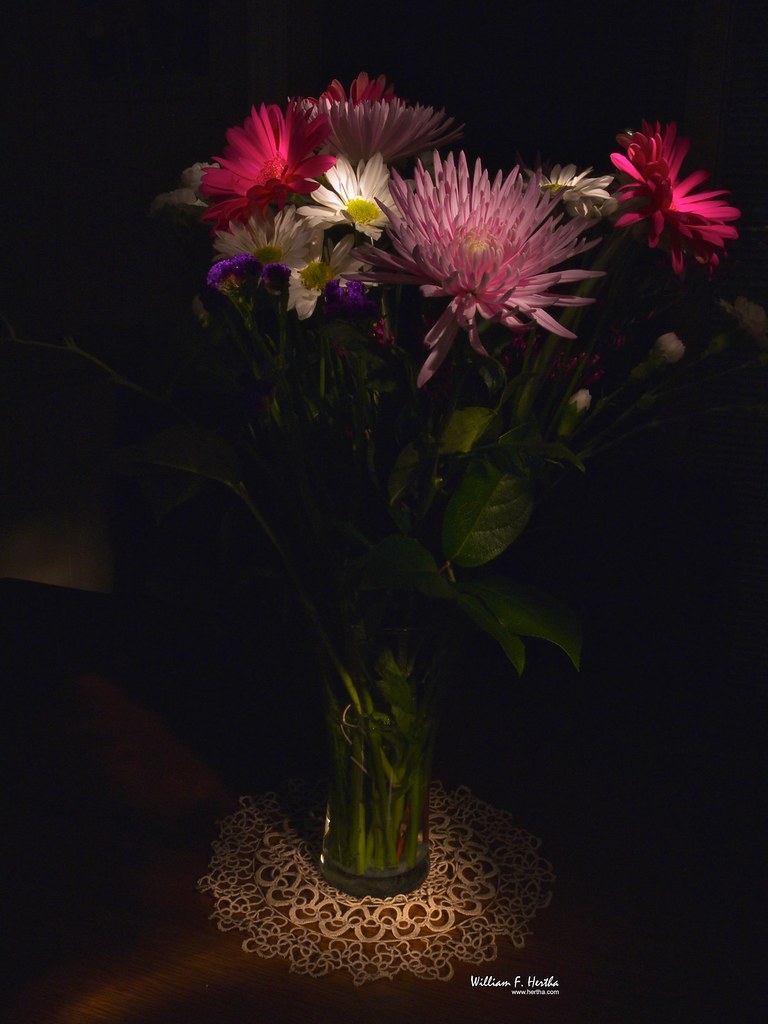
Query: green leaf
x=394 y=685
x=187 y=449
x=402 y=563
x=556 y=451
x=348 y=337
x=164 y=489
x=480 y=613
x=517 y=447
x=509 y=460
x=522 y=436
x=402 y=472
x=465 y=428
x=528 y=611
x=489 y=510
x=380 y=719
x=493 y=374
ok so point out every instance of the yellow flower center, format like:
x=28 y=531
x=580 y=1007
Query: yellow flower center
x=553 y=186
x=477 y=243
x=317 y=275
x=269 y=254
x=270 y=170
x=363 y=211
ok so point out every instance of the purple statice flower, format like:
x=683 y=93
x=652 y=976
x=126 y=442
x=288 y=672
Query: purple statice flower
x=234 y=271
x=276 y=276
x=348 y=302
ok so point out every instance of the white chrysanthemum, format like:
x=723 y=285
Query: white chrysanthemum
x=179 y=197
x=282 y=238
x=188 y=193
x=582 y=196
x=751 y=317
x=352 y=197
x=307 y=284
x=192 y=176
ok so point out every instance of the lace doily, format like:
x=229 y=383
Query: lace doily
x=486 y=879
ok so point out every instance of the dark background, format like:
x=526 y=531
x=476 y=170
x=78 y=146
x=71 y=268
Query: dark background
x=648 y=764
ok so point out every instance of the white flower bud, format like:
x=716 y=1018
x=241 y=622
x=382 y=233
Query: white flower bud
x=670 y=347
x=577 y=405
x=580 y=400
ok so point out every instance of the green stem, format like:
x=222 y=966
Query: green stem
x=599 y=449
x=396 y=810
x=661 y=391
x=555 y=408
x=538 y=377
x=377 y=857
x=73 y=348
x=303 y=598
x=416 y=797
x=358 y=836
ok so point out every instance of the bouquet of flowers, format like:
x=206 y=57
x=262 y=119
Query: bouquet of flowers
x=413 y=350
x=397 y=443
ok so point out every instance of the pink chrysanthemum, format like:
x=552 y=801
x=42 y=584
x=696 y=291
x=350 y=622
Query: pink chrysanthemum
x=270 y=157
x=372 y=120
x=693 y=223
x=490 y=248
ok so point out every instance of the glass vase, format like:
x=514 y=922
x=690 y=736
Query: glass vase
x=376 y=838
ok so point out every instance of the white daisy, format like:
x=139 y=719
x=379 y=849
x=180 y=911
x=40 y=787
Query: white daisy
x=282 y=238
x=306 y=285
x=351 y=197
x=582 y=196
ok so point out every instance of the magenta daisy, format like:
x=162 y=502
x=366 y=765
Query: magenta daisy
x=363 y=88
x=372 y=120
x=271 y=156
x=694 y=223
x=488 y=247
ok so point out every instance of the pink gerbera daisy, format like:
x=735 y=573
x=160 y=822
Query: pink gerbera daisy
x=489 y=248
x=696 y=223
x=361 y=89
x=372 y=120
x=270 y=157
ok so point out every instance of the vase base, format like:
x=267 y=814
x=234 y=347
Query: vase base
x=379 y=884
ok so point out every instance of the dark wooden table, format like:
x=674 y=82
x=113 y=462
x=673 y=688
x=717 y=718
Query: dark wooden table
x=114 y=803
